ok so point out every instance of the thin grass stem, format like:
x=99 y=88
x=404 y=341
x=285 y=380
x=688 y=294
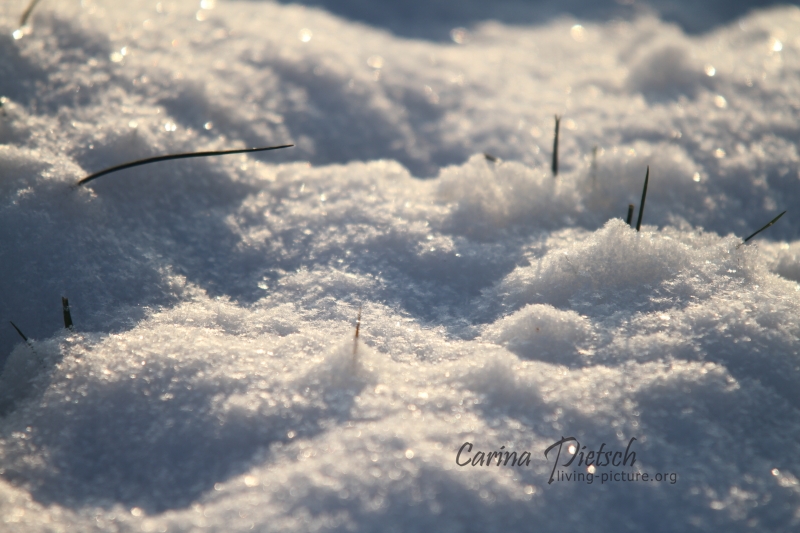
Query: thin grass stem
x=27 y=13
x=355 y=337
x=187 y=155
x=20 y=333
x=555 y=148
x=30 y=345
x=644 y=195
x=771 y=222
x=67 y=314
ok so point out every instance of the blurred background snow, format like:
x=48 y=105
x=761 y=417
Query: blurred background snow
x=210 y=381
x=434 y=20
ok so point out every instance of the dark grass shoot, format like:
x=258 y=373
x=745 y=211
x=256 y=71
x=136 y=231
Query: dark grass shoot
x=555 y=148
x=67 y=314
x=355 y=337
x=30 y=345
x=170 y=157
x=20 y=332
x=771 y=222
x=23 y=20
x=644 y=195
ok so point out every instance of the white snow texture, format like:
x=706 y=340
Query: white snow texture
x=212 y=382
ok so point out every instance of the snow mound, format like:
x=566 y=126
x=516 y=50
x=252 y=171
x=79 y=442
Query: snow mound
x=212 y=381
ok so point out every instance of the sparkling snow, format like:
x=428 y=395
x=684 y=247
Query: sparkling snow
x=211 y=381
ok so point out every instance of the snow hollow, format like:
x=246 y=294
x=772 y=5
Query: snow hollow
x=211 y=381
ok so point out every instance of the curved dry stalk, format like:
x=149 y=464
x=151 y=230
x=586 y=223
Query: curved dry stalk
x=186 y=155
x=771 y=222
x=27 y=13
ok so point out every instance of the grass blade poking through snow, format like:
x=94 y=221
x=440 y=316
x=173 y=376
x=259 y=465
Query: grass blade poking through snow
x=41 y=361
x=20 y=333
x=644 y=195
x=555 y=148
x=771 y=222
x=27 y=13
x=355 y=338
x=630 y=214
x=67 y=314
x=187 y=155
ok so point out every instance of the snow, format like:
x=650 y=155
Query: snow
x=212 y=381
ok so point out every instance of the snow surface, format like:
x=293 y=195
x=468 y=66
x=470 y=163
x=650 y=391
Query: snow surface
x=210 y=383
